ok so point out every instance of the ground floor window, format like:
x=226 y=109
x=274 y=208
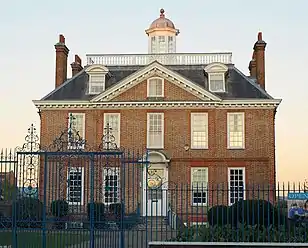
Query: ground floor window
x=236 y=184
x=75 y=185
x=111 y=185
x=199 y=183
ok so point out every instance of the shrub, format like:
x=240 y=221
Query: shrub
x=29 y=212
x=116 y=209
x=253 y=212
x=59 y=208
x=98 y=213
x=241 y=234
x=218 y=215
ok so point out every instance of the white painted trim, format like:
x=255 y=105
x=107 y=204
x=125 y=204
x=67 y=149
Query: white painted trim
x=162 y=128
x=222 y=244
x=151 y=70
x=223 y=82
x=242 y=114
x=82 y=186
x=216 y=67
x=101 y=68
x=118 y=141
x=244 y=181
x=192 y=129
x=192 y=188
x=162 y=85
x=230 y=104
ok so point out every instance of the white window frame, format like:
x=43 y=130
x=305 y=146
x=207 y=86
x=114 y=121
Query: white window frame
x=192 y=130
x=222 y=74
x=81 y=134
x=162 y=130
x=115 y=170
x=82 y=186
x=162 y=86
x=229 y=183
x=102 y=84
x=204 y=188
x=229 y=145
x=118 y=115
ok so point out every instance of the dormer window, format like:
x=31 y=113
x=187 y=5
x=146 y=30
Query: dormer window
x=97 y=78
x=217 y=82
x=96 y=84
x=155 y=87
x=216 y=77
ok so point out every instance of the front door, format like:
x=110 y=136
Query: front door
x=155 y=195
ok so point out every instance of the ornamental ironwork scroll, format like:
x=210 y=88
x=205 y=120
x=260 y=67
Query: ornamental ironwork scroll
x=28 y=164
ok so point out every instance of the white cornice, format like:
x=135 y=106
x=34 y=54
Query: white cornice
x=258 y=103
x=155 y=69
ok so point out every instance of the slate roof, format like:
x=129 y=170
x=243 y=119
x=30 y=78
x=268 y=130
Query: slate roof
x=238 y=86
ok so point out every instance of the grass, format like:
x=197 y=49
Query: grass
x=34 y=238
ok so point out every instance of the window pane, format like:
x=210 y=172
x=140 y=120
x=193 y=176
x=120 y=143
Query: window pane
x=236 y=130
x=75 y=185
x=114 y=123
x=111 y=185
x=155 y=130
x=199 y=130
x=216 y=82
x=75 y=130
x=199 y=183
x=155 y=87
x=236 y=185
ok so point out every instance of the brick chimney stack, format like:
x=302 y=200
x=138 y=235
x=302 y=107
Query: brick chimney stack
x=253 y=66
x=259 y=51
x=76 y=65
x=61 y=61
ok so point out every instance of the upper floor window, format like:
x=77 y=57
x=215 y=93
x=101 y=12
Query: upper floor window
x=97 y=78
x=155 y=87
x=76 y=130
x=216 y=76
x=96 y=83
x=236 y=130
x=113 y=119
x=199 y=130
x=199 y=181
x=155 y=130
x=217 y=82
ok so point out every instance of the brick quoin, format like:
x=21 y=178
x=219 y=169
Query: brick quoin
x=258 y=157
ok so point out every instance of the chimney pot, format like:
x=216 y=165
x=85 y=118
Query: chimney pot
x=260 y=36
x=77 y=59
x=61 y=39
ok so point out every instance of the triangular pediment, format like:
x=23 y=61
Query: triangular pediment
x=155 y=69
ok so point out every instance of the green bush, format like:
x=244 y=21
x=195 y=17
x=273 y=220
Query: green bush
x=218 y=215
x=29 y=212
x=116 y=209
x=254 y=212
x=59 y=208
x=241 y=234
x=98 y=213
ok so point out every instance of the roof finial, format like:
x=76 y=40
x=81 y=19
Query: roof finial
x=162 y=11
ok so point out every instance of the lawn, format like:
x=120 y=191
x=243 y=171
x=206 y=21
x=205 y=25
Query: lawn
x=34 y=239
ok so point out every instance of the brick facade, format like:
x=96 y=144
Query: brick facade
x=258 y=157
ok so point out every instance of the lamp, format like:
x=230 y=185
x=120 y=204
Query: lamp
x=186 y=147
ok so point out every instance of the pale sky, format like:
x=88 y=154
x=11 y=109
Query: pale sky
x=29 y=30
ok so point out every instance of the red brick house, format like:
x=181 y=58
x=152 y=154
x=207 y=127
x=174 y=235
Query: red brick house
x=202 y=120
